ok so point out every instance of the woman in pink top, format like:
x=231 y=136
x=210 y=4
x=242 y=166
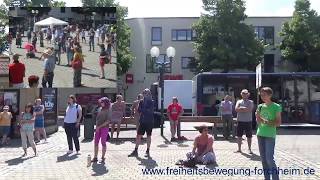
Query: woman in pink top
x=203 y=147
x=118 y=112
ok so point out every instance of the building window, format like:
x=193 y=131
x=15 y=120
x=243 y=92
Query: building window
x=182 y=35
x=185 y=63
x=63 y=9
x=152 y=67
x=265 y=33
x=269 y=63
x=156 y=36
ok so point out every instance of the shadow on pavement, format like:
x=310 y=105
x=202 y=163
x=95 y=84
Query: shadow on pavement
x=253 y=157
x=123 y=140
x=299 y=131
x=86 y=140
x=66 y=157
x=148 y=163
x=16 y=161
x=212 y=166
x=112 y=80
x=92 y=75
x=99 y=169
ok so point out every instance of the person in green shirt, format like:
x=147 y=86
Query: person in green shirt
x=268 y=118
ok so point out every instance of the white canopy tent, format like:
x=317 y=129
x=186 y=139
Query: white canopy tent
x=50 y=21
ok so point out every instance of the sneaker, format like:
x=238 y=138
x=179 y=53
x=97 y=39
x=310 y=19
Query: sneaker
x=173 y=139
x=70 y=152
x=134 y=153
x=78 y=153
x=250 y=152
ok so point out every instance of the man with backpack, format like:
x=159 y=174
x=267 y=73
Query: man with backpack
x=72 y=123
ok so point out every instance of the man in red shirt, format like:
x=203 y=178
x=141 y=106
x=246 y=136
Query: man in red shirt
x=16 y=73
x=174 y=112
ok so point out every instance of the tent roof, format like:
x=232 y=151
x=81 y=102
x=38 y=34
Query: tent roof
x=50 y=21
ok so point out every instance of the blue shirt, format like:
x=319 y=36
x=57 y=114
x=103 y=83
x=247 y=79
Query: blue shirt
x=49 y=64
x=146 y=109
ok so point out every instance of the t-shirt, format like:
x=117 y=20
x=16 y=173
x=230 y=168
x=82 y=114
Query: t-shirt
x=226 y=107
x=38 y=109
x=72 y=113
x=49 y=64
x=103 y=116
x=5 y=119
x=268 y=112
x=16 y=73
x=27 y=126
x=174 y=110
x=103 y=56
x=146 y=109
x=244 y=116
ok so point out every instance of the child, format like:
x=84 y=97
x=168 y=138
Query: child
x=26 y=131
x=5 y=124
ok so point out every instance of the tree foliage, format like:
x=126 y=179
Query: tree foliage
x=301 y=38
x=4 y=23
x=223 y=40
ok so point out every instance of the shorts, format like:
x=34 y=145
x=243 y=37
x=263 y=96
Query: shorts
x=173 y=121
x=102 y=62
x=39 y=123
x=244 y=127
x=4 y=130
x=145 y=128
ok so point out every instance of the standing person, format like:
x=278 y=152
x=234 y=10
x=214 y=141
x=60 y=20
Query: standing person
x=34 y=41
x=146 y=122
x=41 y=38
x=77 y=64
x=27 y=127
x=134 y=110
x=91 y=39
x=109 y=46
x=268 y=118
x=16 y=72
x=5 y=124
x=57 y=51
x=19 y=40
x=9 y=39
x=39 y=121
x=203 y=147
x=97 y=34
x=72 y=123
x=174 y=111
x=49 y=66
x=118 y=112
x=103 y=34
x=29 y=33
x=102 y=126
x=83 y=36
x=49 y=35
x=69 y=50
x=227 y=118
x=244 y=109
x=103 y=59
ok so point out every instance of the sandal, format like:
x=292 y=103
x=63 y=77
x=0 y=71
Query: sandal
x=103 y=160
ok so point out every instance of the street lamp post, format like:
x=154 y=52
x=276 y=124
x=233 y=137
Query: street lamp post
x=34 y=12
x=155 y=52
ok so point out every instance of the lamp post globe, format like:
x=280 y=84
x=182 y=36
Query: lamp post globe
x=171 y=52
x=154 y=52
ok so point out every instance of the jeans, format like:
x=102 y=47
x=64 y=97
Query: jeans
x=47 y=79
x=227 y=124
x=266 y=149
x=77 y=77
x=91 y=43
x=57 y=54
x=72 y=134
x=69 y=56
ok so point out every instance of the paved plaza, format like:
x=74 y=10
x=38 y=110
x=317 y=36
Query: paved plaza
x=294 y=149
x=64 y=75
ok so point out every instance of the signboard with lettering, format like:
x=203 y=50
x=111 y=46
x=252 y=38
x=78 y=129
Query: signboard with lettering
x=49 y=99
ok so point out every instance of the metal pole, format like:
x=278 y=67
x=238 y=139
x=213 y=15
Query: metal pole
x=162 y=96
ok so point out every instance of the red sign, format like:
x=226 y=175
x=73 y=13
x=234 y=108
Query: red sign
x=129 y=78
x=173 y=77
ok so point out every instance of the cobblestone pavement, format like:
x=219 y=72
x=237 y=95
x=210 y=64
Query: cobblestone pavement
x=64 y=75
x=53 y=163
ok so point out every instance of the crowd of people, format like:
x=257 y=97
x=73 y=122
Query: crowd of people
x=268 y=117
x=63 y=40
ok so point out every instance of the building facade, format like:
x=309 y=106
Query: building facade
x=177 y=32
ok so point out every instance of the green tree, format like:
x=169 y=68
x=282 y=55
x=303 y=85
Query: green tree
x=301 y=38
x=58 y=4
x=124 y=55
x=4 y=22
x=223 y=40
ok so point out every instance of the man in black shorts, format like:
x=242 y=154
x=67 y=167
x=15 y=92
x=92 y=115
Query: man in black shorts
x=244 y=109
x=146 y=122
